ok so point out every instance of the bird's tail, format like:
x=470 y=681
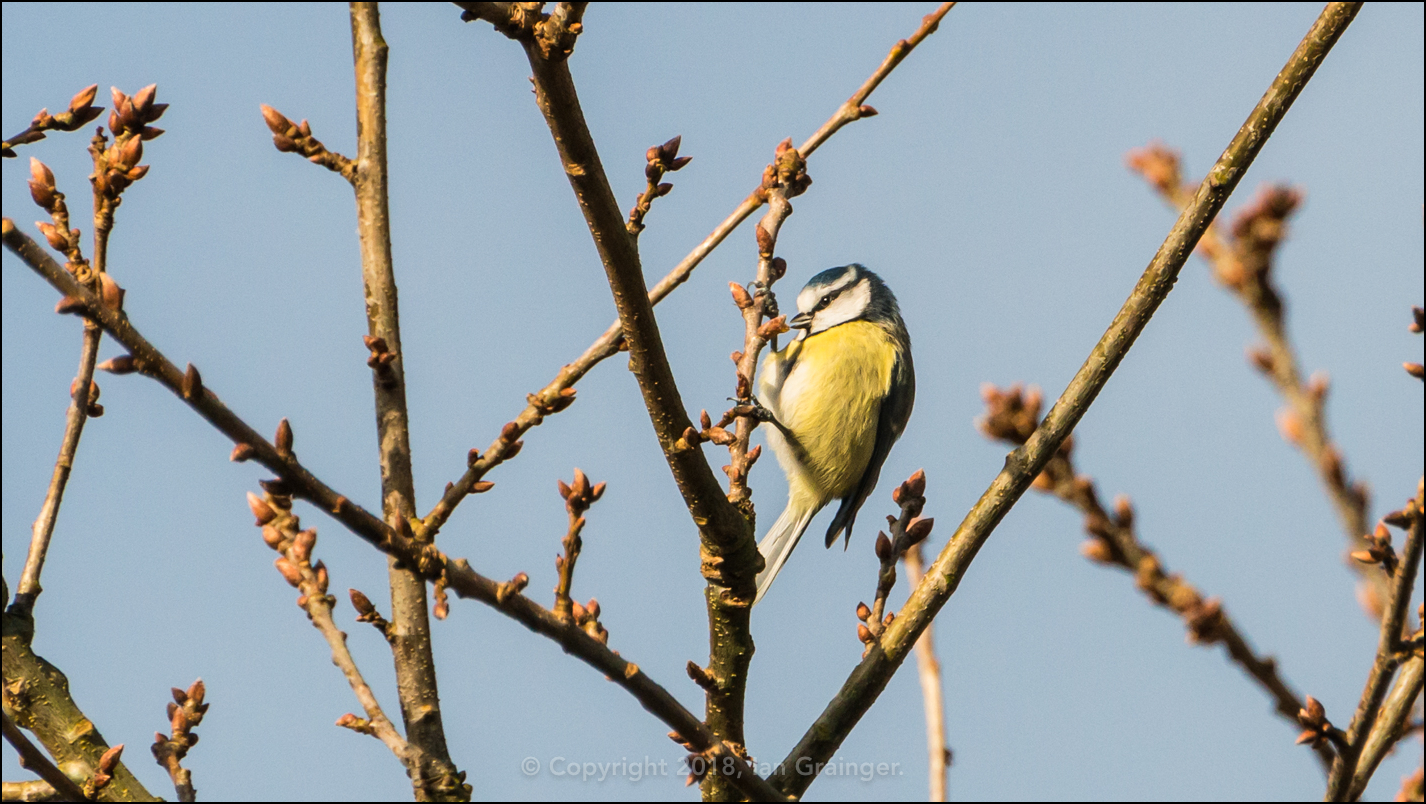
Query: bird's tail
x=777 y=545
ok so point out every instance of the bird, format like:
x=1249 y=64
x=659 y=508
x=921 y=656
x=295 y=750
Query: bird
x=834 y=401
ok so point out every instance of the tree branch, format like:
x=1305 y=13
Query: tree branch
x=411 y=627
x=1396 y=713
x=36 y=696
x=1025 y=463
x=928 y=669
x=1387 y=659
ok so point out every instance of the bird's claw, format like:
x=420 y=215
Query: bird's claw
x=750 y=406
x=758 y=289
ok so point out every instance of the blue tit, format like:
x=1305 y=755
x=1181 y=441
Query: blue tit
x=840 y=394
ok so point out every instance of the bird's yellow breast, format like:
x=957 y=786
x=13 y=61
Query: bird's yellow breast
x=830 y=399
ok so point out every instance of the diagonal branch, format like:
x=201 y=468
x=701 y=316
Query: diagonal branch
x=1395 y=716
x=80 y=400
x=720 y=524
x=36 y=696
x=1025 y=463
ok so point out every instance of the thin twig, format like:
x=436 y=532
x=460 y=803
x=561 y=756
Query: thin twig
x=116 y=168
x=558 y=394
x=928 y=669
x=578 y=497
x=1388 y=656
x=282 y=532
x=423 y=556
x=1391 y=726
x=34 y=760
x=84 y=392
x=785 y=178
x=411 y=644
x=661 y=159
x=79 y=402
x=907 y=531
x=1025 y=463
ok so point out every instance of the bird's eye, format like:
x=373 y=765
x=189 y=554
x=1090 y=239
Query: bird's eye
x=826 y=300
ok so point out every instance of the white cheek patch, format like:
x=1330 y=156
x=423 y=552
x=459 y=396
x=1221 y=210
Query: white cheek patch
x=848 y=305
x=809 y=296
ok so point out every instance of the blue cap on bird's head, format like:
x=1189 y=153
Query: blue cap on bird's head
x=849 y=293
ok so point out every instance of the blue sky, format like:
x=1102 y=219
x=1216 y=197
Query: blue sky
x=991 y=195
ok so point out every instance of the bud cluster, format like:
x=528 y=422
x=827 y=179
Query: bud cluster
x=290 y=137
x=184 y=714
x=661 y=159
x=81 y=112
x=280 y=531
x=907 y=531
x=578 y=497
x=57 y=233
x=1318 y=729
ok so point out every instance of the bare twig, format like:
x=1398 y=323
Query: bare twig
x=290 y=137
x=36 y=696
x=1025 y=463
x=784 y=179
x=82 y=398
x=116 y=168
x=1391 y=725
x=281 y=531
x=928 y=669
x=729 y=554
x=34 y=760
x=559 y=393
x=84 y=392
x=1388 y=654
x=423 y=556
x=907 y=531
x=661 y=159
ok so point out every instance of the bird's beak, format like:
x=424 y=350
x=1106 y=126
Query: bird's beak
x=800 y=321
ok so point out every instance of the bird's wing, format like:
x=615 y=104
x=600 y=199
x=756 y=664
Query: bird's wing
x=895 y=412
